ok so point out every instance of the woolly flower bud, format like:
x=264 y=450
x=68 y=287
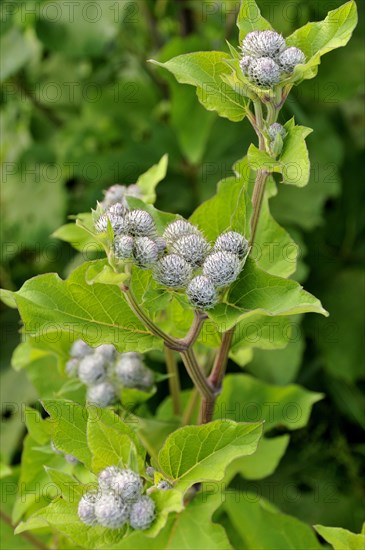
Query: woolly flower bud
x=80 y=348
x=276 y=129
x=222 y=268
x=264 y=72
x=173 y=271
x=101 y=395
x=72 y=367
x=118 y=209
x=92 y=369
x=178 y=229
x=111 y=511
x=140 y=223
x=193 y=248
x=202 y=293
x=232 y=242
x=117 y=221
x=107 y=351
x=145 y=252
x=114 y=194
x=132 y=373
x=150 y=471
x=263 y=44
x=124 y=483
x=290 y=58
x=245 y=64
x=142 y=513
x=134 y=191
x=161 y=245
x=123 y=247
x=86 y=508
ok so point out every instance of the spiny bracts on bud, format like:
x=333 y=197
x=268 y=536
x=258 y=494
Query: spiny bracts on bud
x=264 y=72
x=140 y=223
x=145 y=252
x=178 y=229
x=117 y=221
x=123 y=247
x=245 y=64
x=231 y=241
x=201 y=292
x=289 y=58
x=193 y=248
x=222 y=268
x=101 y=395
x=118 y=193
x=263 y=44
x=173 y=271
x=142 y=513
x=276 y=129
x=118 y=500
x=163 y=485
x=132 y=373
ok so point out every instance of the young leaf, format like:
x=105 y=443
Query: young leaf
x=246 y=399
x=98 y=313
x=319 y=38
x=148 y=181
x=204 y=70
x=78 y=238
x=293 y=163
x=250 y=19
x=342 y=539
x=202 y=453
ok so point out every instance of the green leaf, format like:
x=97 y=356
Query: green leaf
x=16 y=50
x=205 y=70
x=38 y=429
x=71 y=489
x=104 y=274
x=246 y=399
x=257 y=292
x=148 y=181
x=250 y=19
x=319 y=38
x=78 y=238
x=261 y=464
x=260 y=525
x=99 y=313
x=7 y=297
x=260 y=331
x=341 y=539
x=293 y=163
x=69 y=424
x=229 y=208
x=202 y=453
x=110 y=440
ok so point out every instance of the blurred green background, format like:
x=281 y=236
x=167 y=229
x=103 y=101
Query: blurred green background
x=82 y=109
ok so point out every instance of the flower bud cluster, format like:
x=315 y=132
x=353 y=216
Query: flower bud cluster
x=118 y=193
x=135 y=236
x=106 y=372
x=266 y=59
x=118 y=501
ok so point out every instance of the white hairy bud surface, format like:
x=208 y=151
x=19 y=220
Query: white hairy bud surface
x=173 y=271
x=123 y=247
x=263 y=44
x=125 y=483
x=178 y=229
x=101 y=395
x=114 y=194
x=201 y=292
x=140 y=223
x=193 y=248
x=92 y=369
x=291 y=57
x=142 y=513
x=72 y=367
x=276 y=129
x=111 y=511
x=245 y=64
x=145 y=252
x=80 y=348
x=132 y=373
x=222 y=268
x=107 y=351
x=231 y=241
x=86 y=508
x=264 y=72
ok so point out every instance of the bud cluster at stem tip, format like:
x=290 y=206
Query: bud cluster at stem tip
x=266 y=59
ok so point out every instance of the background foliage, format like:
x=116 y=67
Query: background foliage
x=83 y=109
